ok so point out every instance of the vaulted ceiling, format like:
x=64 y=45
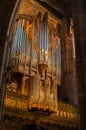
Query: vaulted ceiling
x=30 y=8
x=58 y=7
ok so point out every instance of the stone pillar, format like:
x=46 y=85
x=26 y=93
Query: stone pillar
x=79 y=20
x=69 y=78
x=8 y=11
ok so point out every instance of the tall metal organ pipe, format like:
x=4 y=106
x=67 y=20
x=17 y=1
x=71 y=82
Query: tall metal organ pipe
x=44 y=37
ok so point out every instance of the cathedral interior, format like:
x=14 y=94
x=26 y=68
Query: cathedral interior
x=42 y=65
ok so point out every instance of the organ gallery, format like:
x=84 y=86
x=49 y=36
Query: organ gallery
x=34 y=81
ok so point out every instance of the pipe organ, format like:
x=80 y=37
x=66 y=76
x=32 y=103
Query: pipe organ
x=36 y=61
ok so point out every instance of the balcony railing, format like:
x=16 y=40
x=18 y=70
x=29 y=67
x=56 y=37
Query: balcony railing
x=15 y=100
x=68 y=111
x=19 y=101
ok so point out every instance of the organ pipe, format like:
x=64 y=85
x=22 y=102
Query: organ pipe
x=26 y=47
x=32 y=42
x=44 y=37
x=39 y=34
x=40 y=38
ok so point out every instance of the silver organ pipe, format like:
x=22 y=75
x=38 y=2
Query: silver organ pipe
x=47 y=32
x=42 y=40
x=25 y=51
x=41 y=37
x=16 y=43
x=44 y=37
x=19 y=43
x=23 y=39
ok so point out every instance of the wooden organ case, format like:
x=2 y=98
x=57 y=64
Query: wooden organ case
x=35 y=61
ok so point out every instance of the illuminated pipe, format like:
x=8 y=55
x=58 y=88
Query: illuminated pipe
x=17 y=44
x=20 y=40
x=15 y=51
x=16 y=39
x=45 y=37
x=47 y=32
x=42 y=55
x=39 y=43
x=23 y=45
x=40 y=36
x=13 y=48
x=43 y=40
x=46 y=27
x=51 y=51
x=31 y=53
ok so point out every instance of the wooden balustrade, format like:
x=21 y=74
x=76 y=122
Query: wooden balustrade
x=15 y=100
x=68 y=111
x=19 y=101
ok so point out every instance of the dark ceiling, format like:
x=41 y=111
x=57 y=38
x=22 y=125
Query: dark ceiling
x=58 y=7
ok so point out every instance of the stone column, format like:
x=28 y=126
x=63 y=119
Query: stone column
x=69 y=78
x=79 y=20
x=8 y=11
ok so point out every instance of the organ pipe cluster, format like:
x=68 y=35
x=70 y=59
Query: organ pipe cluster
x=36 y=55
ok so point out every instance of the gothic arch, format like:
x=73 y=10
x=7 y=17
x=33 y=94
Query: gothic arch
x=8 y=14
